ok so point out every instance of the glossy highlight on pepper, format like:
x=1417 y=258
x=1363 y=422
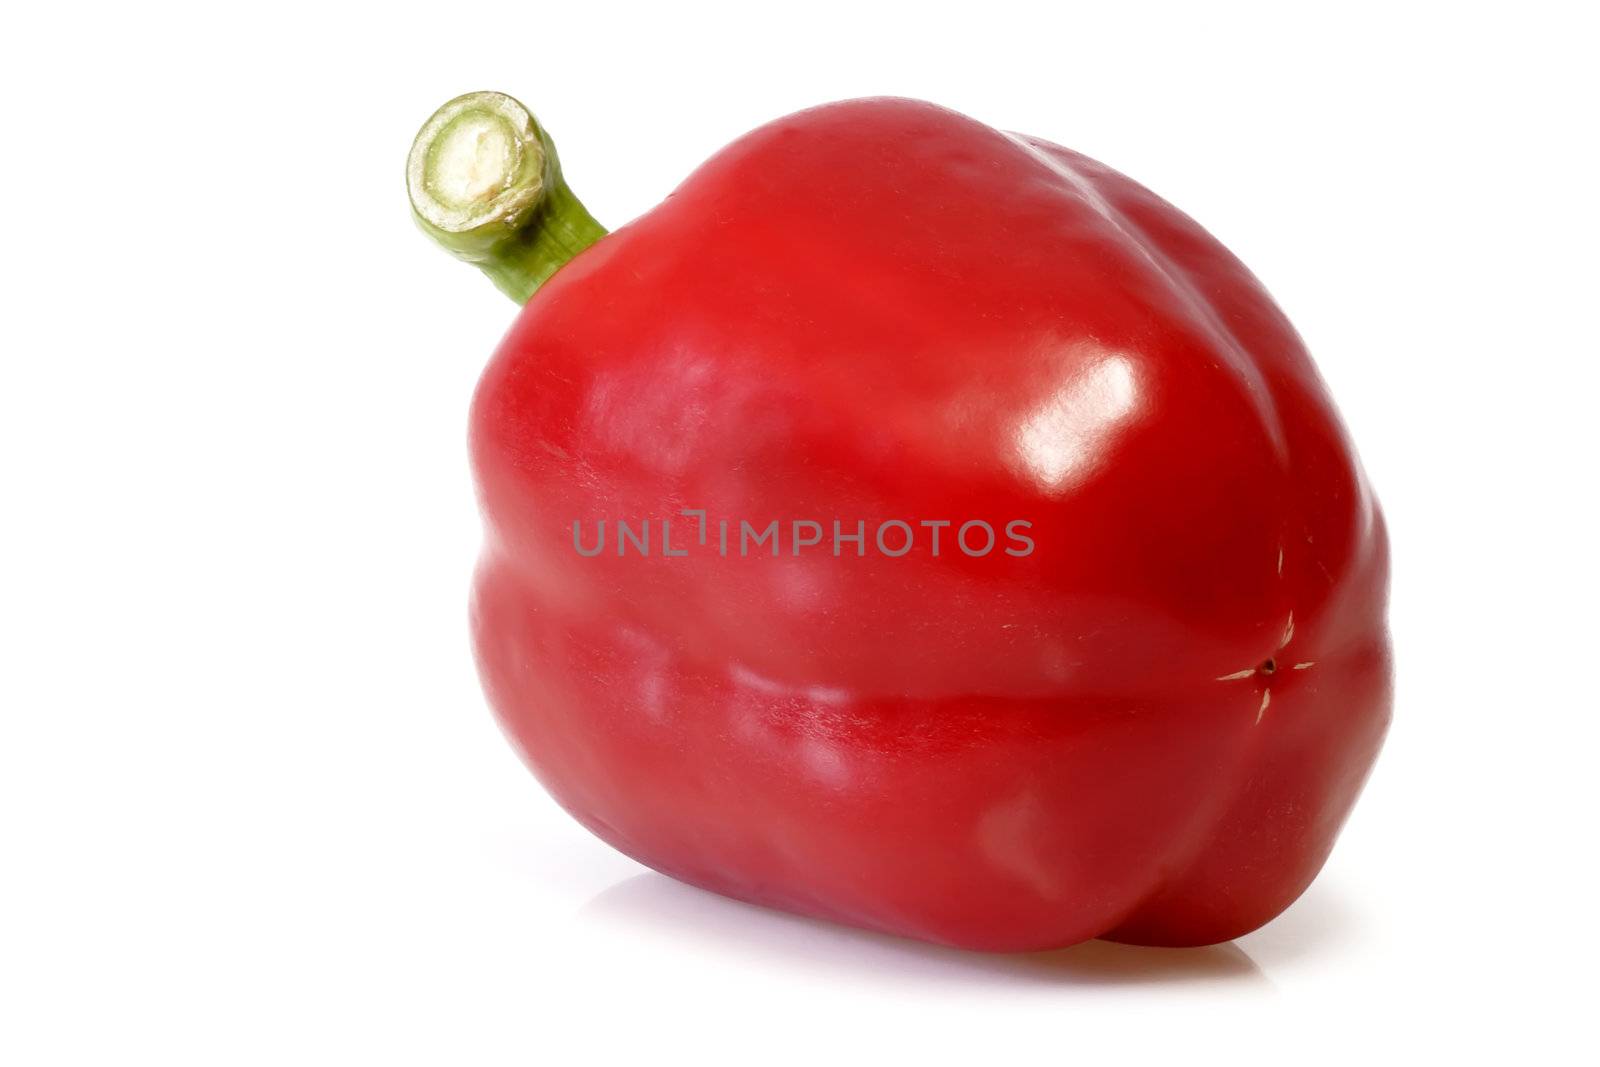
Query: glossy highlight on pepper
x=1149 y=728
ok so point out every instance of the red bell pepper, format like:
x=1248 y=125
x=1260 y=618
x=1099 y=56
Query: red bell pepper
x=1131 y=668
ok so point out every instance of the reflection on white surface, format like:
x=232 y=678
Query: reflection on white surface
x=1062 y=440
x=651 y=904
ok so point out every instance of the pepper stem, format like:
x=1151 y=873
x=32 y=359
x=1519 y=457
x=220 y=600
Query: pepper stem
x=486 y=185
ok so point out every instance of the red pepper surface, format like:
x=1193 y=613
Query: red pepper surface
x=1149 y=728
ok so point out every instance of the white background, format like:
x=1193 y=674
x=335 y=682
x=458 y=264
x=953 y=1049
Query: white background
x=252 y=806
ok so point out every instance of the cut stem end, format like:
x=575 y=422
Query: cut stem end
x=486 y=185
x=476 y=163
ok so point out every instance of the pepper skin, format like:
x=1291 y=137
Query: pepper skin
x=1149 y=728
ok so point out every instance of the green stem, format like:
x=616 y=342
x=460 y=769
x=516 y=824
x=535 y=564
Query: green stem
x=486 y=185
